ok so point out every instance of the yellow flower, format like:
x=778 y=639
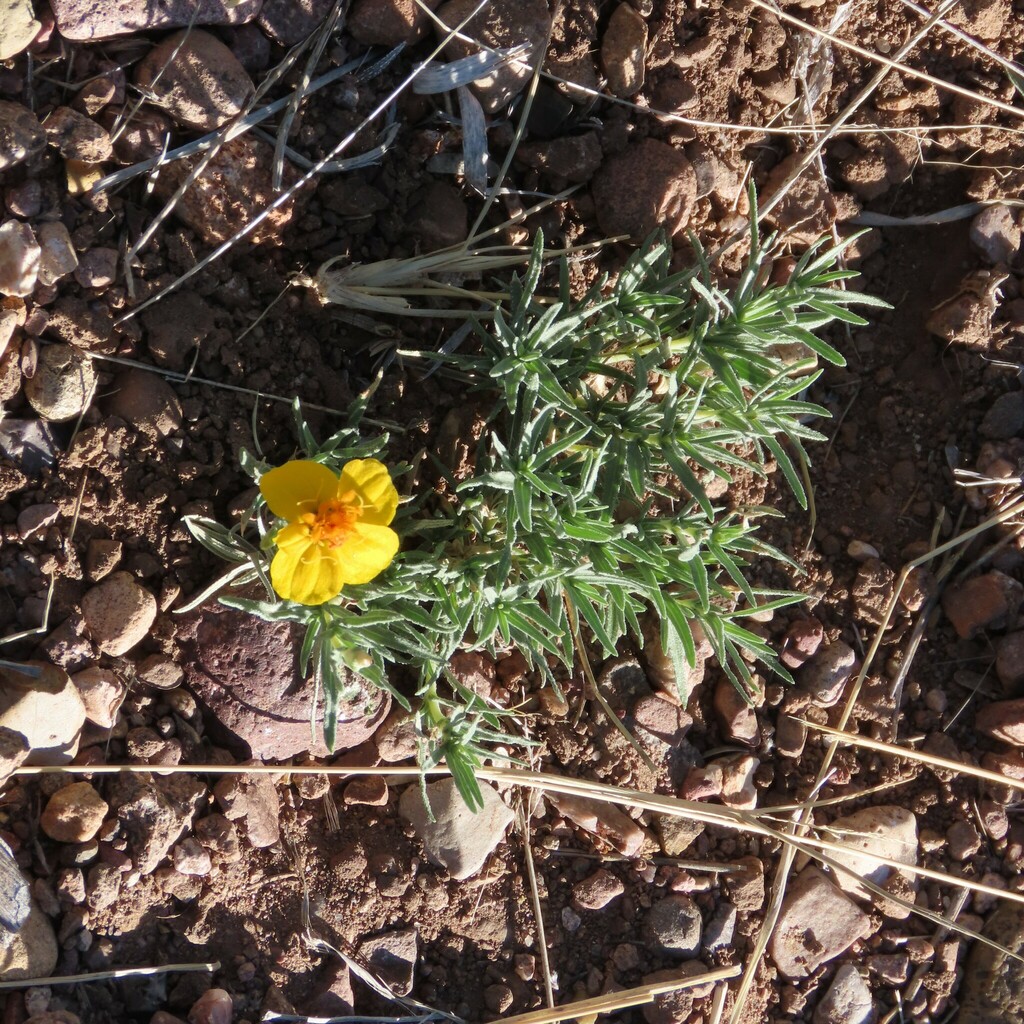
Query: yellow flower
x=337 y=527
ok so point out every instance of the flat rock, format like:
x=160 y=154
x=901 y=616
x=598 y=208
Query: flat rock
x=118 y=613
x=601 y=819
x=63 y=384
x=18 y=27
x=21 y=134
x=817 y=923
x=245 y=671
x=176 y=326
x=82 y=20
x=289 y=21
x=145 y=401
x=992 y=990
x=847 y=1001
x=458 y=838
x=31 y=951
x=235 y=187
x=887 y=831
x=76 y=136
x=29 y=444
x=596 y=891
x=673 y=925
x=388 y=22
x=1002 y=720
x=648 y=185
x=251 y=800
x=154 y=812
x=393 y=957
x=195 y=78
x=19 y=259
x=45 y=709
x=623 y=49
x=501 y=24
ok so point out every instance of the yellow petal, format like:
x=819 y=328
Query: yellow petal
x=307 y=573
x=297 y=487
x=372 y=482
x=367 y=552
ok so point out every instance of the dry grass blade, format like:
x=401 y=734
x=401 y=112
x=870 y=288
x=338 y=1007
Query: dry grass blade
x=523 y=820
x=114 y=974
x=920 y=756
x=613 y=1001
x=890 y=64
x=959 y=33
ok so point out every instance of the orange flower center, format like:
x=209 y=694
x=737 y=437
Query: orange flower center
x=333 y=522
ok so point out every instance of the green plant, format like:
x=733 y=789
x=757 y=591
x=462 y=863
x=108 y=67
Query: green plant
x=606 y=416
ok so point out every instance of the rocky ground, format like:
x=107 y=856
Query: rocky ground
x=664 y=113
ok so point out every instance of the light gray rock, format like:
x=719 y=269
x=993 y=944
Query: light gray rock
x=30 y=952
x=45 y=709
x=63 y=383
x=118 y=613
x=58 y=257
x=81 y=20
x=18 y=27
x=458 y=838
x=873 y=836
x=825 y=675
x=817 y=922
x=673 y=925
x=19 y=259
x=847 y=1001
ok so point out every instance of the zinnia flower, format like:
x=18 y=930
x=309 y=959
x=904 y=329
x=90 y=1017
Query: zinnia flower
x=337 y=526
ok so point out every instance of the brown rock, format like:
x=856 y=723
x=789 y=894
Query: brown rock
x=872 y=590
x=1002 y=720
x=252 y=801
x=437 y=216
x=736 y=718
x=372 y=791
x=145 y=401
x=746 y=887
x=118 y=613
x=597 y=890
x=83 y=20
x=647 y=186
x=801 y=642
x=572 y=158
x=389 y=22
x=77 y=136
x=982 y=602
x=214 y=1006
x=195 y=78
x=1010 y=661
x=623 y=49
x=74 y=814
x=290 y=21
x=825 y=676
x=21 y=135
x=246 y=673
x=234 y=189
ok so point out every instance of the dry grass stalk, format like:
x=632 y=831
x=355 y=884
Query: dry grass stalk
x=889 y=64
x=112 y=975
x=613 y=1001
